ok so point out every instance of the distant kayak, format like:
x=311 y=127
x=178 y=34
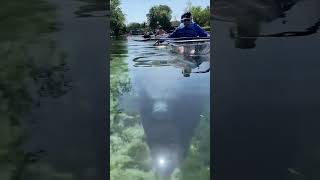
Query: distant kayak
x=147 y=39
x=146 y=36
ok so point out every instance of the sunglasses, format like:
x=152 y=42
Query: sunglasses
x=185 y=20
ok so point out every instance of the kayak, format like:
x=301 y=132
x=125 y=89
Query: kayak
x=184 y=38
x=184 y=45
x=191 y=47
x=152 y=38
x=163 y=39
x=191 y=62
x=189 y=41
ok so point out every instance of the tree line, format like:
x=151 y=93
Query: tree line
x=157 y=15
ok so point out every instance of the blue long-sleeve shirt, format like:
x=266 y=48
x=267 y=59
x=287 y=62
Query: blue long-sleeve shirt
x=192 y=30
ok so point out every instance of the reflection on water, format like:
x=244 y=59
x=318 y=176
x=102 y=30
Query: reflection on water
x=26 y=77
x=92 y=8
x=128 y=151
x=248 y=18
x=38 y=72
x=167 y=105
x=266 y=96
x=187 y=64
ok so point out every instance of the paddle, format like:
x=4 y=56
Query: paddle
x=149 y=39
x=141 y=39
x=181 y=38
x=189 y=41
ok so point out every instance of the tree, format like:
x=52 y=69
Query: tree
x=134 y=26
x=117 y=18
x=201 y=15
x=143 y=25
x=159 y=15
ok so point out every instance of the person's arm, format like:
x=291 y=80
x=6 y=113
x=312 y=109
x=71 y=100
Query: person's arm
x=200 y=31
x=176 y=33
x=173 y=34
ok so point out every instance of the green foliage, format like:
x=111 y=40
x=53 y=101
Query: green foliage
x=159 y=15
x=133 y=174
x=117 y=18
x=176 y=175
x=134 y=26
x=201 y=15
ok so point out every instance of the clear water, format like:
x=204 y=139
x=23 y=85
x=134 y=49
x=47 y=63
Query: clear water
x=168 y=103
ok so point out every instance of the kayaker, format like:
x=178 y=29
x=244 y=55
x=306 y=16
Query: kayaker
x=188 y=28
x=147 y=35
x=160 y=31
x=186 y=71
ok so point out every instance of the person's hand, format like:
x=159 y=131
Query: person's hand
x=156 y=43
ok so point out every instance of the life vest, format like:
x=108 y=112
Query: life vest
x=187 y=31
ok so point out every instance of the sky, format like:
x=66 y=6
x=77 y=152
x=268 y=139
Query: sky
x=136 y=10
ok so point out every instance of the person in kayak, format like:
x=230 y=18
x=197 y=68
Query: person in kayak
x=188 y=28
x=147 y=35
x=160 y=32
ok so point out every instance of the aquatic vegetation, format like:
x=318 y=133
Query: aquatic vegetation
x=129 y=153
x=26 y=75
x=197 y=162
x=156 y=149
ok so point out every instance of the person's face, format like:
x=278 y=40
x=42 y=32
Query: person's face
x=186 y=21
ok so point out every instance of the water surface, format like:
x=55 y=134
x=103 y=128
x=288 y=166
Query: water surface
x=53 y=124
x=265 y=89
x=170 y=105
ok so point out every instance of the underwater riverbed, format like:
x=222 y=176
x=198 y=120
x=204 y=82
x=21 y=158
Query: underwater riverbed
x=159 y=112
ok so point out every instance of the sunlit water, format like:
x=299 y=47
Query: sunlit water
x=169 y=100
